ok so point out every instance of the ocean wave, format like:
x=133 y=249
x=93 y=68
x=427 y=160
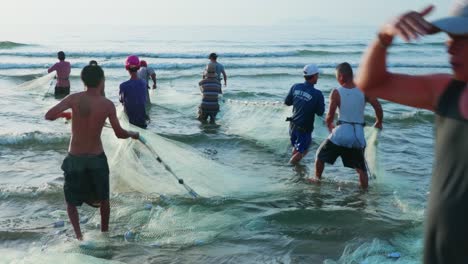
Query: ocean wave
x=32 y=139
x=24 y=77
x=47 y=191
x=414 y=117
x=328 y=52
x=10 y=45
x=201 y=65
x=186 y=55
x=428 y=44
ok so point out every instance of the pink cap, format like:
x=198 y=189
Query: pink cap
x=132 y=62
x=143 y=63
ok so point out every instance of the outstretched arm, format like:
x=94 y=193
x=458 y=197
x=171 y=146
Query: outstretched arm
x=225 y=77
x=153 y=77
x=51 y=69
x=321 y=105
x=375 y=80
x=58 y=110
x=118 y=130
x=378 y=111
x=334 y=102
x=289 y=98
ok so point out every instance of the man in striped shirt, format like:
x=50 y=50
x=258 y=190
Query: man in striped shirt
x=210 y=88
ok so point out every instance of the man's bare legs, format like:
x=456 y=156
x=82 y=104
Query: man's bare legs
x=319 y=167
x=105 y=213
x=297 y=156
x=75 y=220
x=363 y=178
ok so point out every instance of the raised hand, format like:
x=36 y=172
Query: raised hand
x=409 y=26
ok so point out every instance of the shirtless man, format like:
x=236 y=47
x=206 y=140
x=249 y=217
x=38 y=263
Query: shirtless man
x=85 y=168
x=63 y=68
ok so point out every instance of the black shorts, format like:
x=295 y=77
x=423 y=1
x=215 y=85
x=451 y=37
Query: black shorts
x=351 y=157
x=61 y=92
x=86 y=179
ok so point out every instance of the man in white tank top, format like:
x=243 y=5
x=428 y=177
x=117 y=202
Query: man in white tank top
x=347 y=138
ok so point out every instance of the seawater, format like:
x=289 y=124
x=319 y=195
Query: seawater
x=256 y=208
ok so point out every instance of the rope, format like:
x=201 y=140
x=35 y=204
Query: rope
x=180 y=180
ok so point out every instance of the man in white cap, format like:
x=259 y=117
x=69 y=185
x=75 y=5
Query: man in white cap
x=346 y=140
x=307 y=102
x=446 y=231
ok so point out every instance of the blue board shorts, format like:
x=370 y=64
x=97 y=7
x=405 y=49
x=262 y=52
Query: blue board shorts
x=86 y=179
x=300 y=139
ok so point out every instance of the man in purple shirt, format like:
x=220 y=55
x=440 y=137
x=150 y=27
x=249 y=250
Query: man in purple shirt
x=133 y=94
x=63 y=68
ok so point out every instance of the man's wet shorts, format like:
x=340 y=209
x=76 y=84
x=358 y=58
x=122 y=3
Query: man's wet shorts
x=204 y=113
x=300 y=139
x=61 y=92
x=351 y=157
x=86 y=179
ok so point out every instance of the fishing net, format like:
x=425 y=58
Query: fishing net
x=134 y=168
x=174 y=99
x=264 y=122
x=40 y=84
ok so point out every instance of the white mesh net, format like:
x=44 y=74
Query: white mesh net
x=135 y=169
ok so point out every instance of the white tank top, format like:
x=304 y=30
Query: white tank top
x=350 y=132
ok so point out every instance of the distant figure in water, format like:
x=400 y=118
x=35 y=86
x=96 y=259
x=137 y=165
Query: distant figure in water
x=347 y=139
x=446 y=229
x=85 y=168
x=62 y=68
x=219 y=68
x=133 y=94
x=210 y=88
x=145 y=73
x=307 y=101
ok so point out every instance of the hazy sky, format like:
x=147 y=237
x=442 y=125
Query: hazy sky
x=209 y=12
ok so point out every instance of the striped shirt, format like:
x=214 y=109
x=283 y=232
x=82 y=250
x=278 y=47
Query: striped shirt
x=210 y=88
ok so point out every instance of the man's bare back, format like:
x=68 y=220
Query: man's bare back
x=89 y=110
x=89 y=114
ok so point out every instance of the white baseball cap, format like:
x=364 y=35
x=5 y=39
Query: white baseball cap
x=310 y=69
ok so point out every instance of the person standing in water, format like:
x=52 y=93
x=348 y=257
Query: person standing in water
x=145 y=73
x=446 y=229
x=307 y=101
x=219 y=68
x=347 y=138
x=133 y=94
x=210 y=88
x=63 y=69
x=85 y=168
